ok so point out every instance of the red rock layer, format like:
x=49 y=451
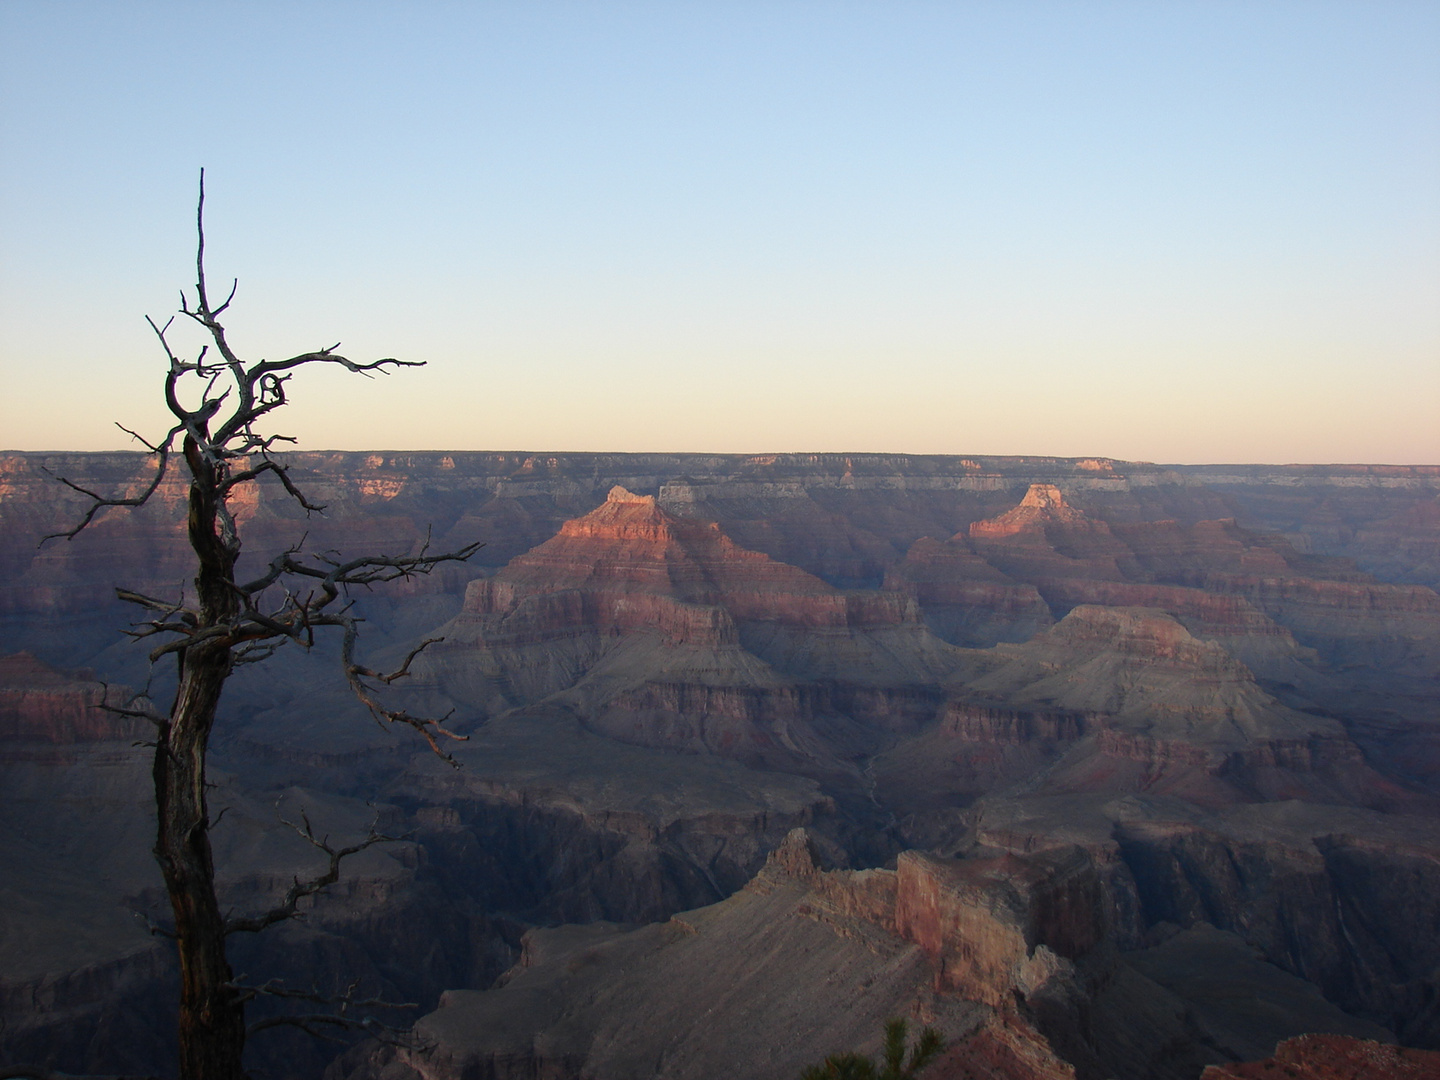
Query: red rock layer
x=1314 y=601
x=995 y=724
x=1006 y=1048
x=39 y=704
x=965 y=599
x=1334 y=1057
x=531 y=618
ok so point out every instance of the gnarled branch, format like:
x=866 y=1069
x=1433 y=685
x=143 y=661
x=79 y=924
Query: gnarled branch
x=288 y=908
x=339 y=1017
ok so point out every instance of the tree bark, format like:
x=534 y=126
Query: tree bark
x=212 y=1014
x=212 y=1018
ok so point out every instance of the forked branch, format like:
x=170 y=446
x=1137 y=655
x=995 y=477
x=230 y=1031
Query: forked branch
x=339 y=1017
x=429 y=728
x=288 y=908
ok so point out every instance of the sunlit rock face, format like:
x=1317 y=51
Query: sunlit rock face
x=1107 y=769
x=629 y=548
x=1046 y=537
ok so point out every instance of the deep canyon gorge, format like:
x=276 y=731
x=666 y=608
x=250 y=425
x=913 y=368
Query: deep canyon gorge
x=1104 y=769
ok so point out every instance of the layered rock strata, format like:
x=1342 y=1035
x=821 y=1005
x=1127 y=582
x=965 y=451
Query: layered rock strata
x=1000 y=952
x=660 y=630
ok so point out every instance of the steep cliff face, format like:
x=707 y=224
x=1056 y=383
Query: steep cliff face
x=1344 y=912
x=1000 y=924
x=549 y=822
x=1327 y=894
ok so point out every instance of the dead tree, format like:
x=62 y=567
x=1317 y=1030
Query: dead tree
x=217 y=400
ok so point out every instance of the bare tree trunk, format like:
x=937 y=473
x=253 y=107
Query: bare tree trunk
x=212 y=1017
x=212 y=1013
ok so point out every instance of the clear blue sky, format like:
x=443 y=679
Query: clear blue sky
x=1169 y=231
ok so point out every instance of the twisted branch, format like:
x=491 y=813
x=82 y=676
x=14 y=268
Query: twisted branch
x=323 y=1025
x=288 y=908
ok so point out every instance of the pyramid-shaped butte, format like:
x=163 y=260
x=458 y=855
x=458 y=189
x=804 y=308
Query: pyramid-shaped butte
x=1044 y=504
x=1045 y=538
x=630 y=546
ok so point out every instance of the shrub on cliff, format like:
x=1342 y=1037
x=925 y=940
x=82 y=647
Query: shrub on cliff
x=853 y=1066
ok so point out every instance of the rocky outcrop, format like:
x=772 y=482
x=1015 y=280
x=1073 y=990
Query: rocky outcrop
x=1334 y=1057
x=1005 y=1048
x=1046 y=537
x=783 y=955
x=1001 y=925
x=602 y=1001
